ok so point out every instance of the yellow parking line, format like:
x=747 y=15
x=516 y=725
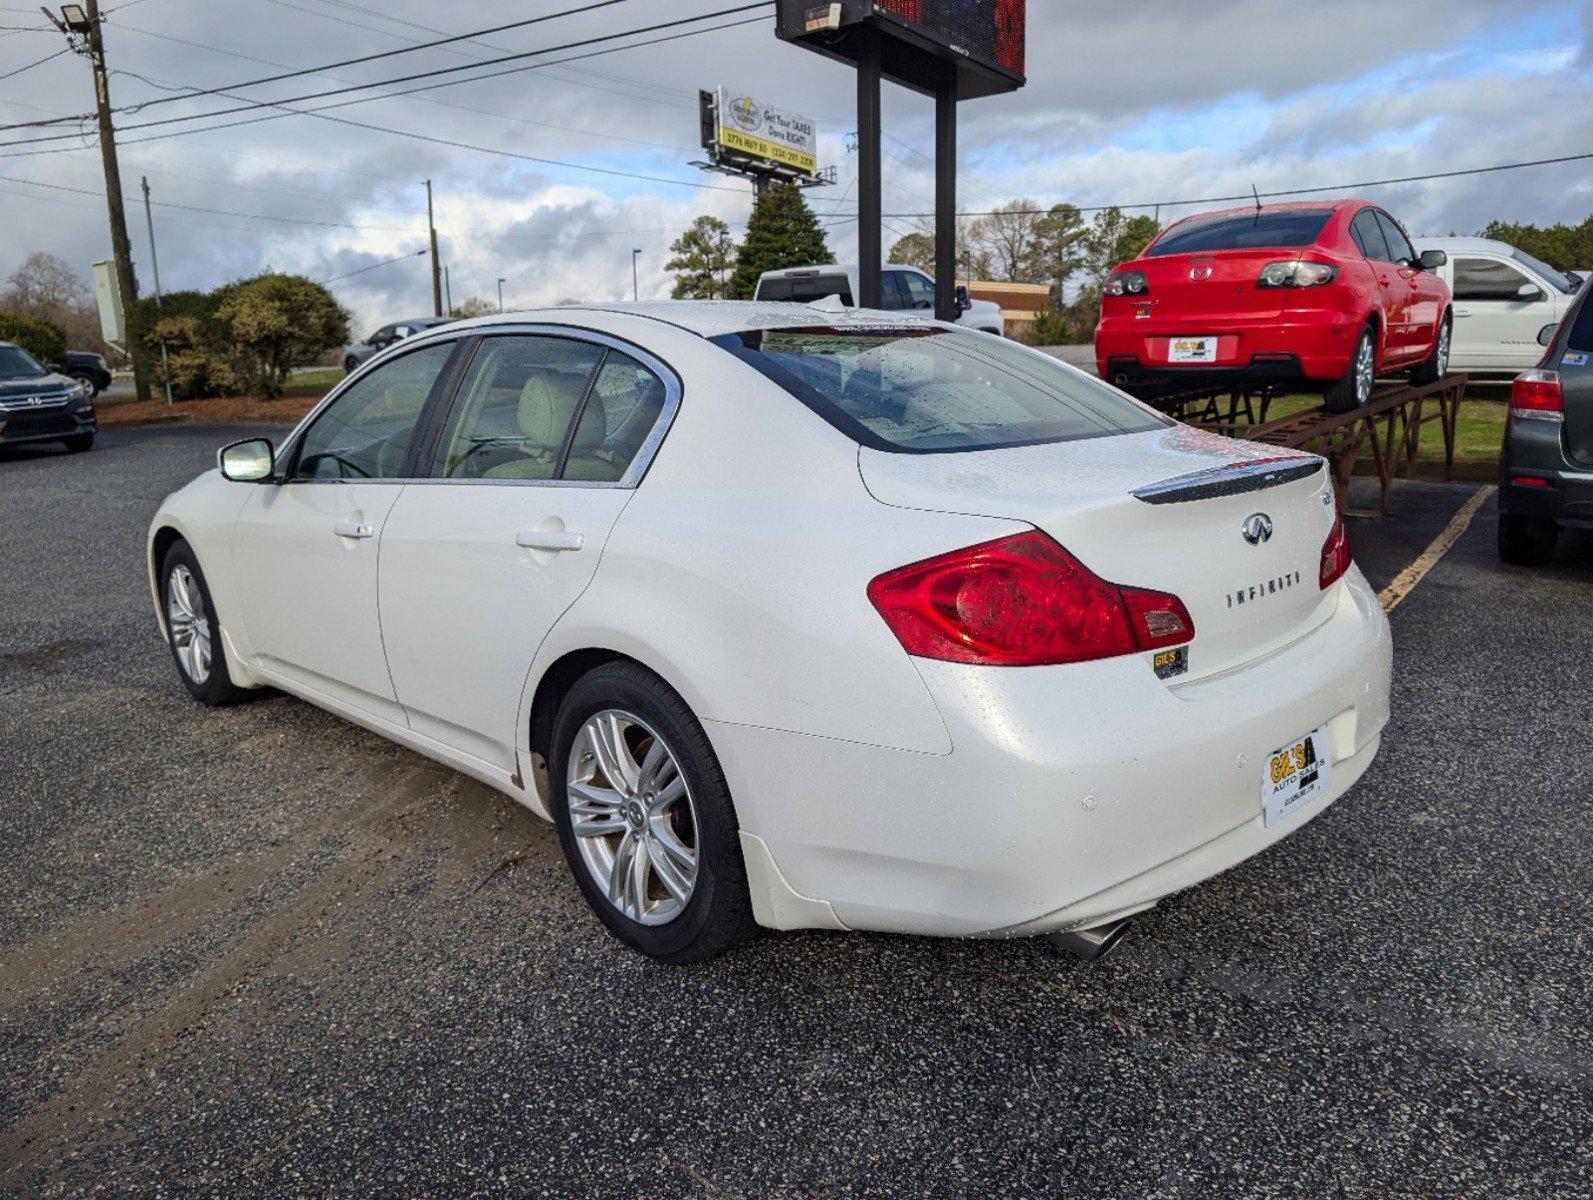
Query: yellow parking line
x=1405 y=583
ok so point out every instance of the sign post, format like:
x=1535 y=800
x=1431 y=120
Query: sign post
x=952 y=50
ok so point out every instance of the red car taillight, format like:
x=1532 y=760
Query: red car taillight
x=1538 y=395
x=1335 y=554
x=1022 y=601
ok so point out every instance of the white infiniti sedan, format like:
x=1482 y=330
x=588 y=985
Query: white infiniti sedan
x=799 y=618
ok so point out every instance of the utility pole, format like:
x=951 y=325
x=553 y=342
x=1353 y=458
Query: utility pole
x=436 y=262
x=500 y=293
x=448 y=291
x=83 y=33
x=154 y=265
x=636 y=287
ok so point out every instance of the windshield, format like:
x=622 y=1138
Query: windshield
x=17 y=363
x=1243 y=231
x=928 y=390
x=1556 y=278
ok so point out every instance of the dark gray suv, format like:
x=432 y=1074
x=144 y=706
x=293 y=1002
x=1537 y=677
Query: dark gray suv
x=39 y=405
x=1546 y=473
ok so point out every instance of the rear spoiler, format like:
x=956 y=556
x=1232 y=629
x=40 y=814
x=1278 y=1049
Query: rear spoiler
x=1232 y=480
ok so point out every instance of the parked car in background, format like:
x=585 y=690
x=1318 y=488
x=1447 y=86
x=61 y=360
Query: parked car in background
x=907 y=289
x=1503 y=298
x=1546 y=471
x=384 y=337
x=87 y=368
x=1320 y=295
x=1052 y=655
x=41 y=405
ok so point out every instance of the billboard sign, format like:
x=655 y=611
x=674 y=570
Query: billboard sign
x=747 y=127
x=988 y=31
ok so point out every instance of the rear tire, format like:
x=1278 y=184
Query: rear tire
x=1527 y=541
x=1354 y=389
x=1436 y=364
x=90 y=382
x=694 y=836
x=192 y=630
x=79 y=442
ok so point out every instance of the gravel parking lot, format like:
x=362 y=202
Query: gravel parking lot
x=262 y=952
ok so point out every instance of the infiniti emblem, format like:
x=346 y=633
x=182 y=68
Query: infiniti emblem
x=1257 y=528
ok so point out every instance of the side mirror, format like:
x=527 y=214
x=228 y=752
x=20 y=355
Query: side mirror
x=250 y=461
x=1431 y=260
x=58 y=368
x=1546 y=335
x=1530 y=293
x=963 y=298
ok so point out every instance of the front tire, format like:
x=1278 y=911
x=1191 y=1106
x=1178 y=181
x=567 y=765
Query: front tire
x=1527 y=541
x=90 y=382
x=1436 y=364
x=645 y=817
x=1354 y=389
x=78 y=443
x=192 y=630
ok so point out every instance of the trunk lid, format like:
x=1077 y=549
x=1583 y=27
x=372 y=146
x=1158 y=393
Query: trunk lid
x=1165 y=510
x=1214 y=284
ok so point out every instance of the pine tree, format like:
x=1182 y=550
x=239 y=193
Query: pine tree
x=783 y=233
x=701 y=258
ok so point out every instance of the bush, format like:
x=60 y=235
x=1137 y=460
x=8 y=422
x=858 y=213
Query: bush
x=37 y=336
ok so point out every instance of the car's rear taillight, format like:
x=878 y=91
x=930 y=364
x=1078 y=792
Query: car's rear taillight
x=1128 y=283
x=1022 y=601
x=1297 y=273
x=1335 y=554
x=1537 y=395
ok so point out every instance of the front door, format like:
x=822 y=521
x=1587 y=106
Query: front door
x=539 y=456
x=1499 y=313
x=305 y=551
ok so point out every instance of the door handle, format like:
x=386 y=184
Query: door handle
x=350 y=529
x=548 y=539
x=1462 y=312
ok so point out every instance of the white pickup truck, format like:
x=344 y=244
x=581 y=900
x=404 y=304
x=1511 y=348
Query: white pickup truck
x=905 y=288
x=1503 y=299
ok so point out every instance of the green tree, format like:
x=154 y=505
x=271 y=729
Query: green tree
x=1566 y=247
x=1061 y=252
x=783 y=232
x=274 y=321
x=34 y=334
x=1007 y=242
x=476 y=306
x=1113 y=239
x=915 y=250
x=702 y=259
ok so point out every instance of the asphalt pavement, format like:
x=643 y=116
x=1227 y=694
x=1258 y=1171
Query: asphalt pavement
x=261 y=952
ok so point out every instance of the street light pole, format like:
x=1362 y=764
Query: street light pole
x=154 y=263
x=636 y=287
x=500 y=293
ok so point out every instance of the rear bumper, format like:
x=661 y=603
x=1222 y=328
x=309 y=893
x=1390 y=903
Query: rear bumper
x=1292 y=346
x=1072 y=795
x=1539 y=479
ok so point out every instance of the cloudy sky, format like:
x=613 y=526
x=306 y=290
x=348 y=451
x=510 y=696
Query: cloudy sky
x=1152 y=102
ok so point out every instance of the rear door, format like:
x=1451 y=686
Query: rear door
x=1576 y=375
x=1425 y=291
x=545 y=442
x=1499 y=312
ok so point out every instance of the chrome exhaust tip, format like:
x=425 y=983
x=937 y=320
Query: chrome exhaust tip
x=1091 y=944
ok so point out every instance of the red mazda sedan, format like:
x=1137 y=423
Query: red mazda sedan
x=1320 y=296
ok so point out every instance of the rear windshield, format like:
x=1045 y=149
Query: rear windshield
x=1243 y=231
x=930 y=390
x=805 y=289
x=17 y=363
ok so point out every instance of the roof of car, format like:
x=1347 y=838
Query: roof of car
x=711 y=318
x=1289 y=206
x=1468 y=243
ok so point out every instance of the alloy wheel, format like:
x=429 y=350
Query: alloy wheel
x=1365 y=370
x=1442 y=360
x=190 y=628
x=632 y=816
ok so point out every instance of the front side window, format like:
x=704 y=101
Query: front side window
x=366 y=432
x=17 y=363
x=1561 y=283
x=893 y=290
x=933 y=390
x=515 y=406
x=1485 y=279
x=920 y=291
x=1399 y=246
x=1243 y=231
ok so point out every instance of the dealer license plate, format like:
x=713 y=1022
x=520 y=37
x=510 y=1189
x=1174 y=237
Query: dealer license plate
x=1192 y=350
x=1295 y=775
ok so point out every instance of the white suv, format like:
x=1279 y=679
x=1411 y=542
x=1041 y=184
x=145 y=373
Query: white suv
x=1503 y=299
x=905 y=288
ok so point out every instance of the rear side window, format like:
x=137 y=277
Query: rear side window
x=1398 y=244
x=1581 y=335
x=1368 y=236
x=1244 y=231
x=620 y=412
x=805 y=289
x=928 y=390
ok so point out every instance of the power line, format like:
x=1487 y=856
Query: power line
x=411 y=78
x=375 y=266
x=36 y=63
